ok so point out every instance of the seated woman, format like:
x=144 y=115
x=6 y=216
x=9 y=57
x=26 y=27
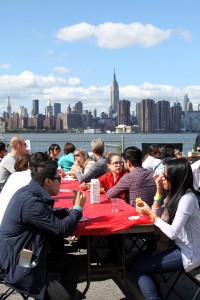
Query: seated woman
x=181 y=226
x=66 y=161
x=82 y=163
x=166 y=153
x=54 y=151
x=149 y=159
x=116 y=171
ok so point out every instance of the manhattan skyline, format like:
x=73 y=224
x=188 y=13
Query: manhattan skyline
x=67 y=51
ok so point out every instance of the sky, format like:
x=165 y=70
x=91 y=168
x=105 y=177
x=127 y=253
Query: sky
x=67 y=51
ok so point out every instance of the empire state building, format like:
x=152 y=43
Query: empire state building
x=114 y=95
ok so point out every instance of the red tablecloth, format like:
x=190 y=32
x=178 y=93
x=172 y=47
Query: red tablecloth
x=100 y=218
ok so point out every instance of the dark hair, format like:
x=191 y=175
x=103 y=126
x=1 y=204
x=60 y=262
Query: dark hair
x=133 y=154
x=167 y=151
x=153 y=149
x=43 y=170
x=2 y=146
x=69 y=148
x=38 y=157
x=110 y=156
x=179 y=174
x=22 y=162
x=197 y=140
x=52 y=147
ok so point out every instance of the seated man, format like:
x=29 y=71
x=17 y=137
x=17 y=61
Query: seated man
x=18 y=146
x=28 y=223
x=138 y=183
x=100 y=166
x=196 y=175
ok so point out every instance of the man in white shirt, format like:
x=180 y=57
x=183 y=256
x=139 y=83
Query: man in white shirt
x=18 y=146
x=196 y=174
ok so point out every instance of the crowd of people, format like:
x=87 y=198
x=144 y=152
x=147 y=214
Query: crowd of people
x=168 y=186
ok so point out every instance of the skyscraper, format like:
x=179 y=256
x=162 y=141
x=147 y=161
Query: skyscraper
x=8 y=106
x=49 y=109
x=124 y=112
x=35 y=110
x=114 y=95
x=163 y=116
x=148 y=120
x=57 y=109
x=78 y=107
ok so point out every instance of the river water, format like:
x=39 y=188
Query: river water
x=42 y=141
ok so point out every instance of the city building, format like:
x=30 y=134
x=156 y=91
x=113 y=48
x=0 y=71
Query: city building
x=8 y=106
x=114 y=95
x=78 y=107
x=56 y=109
x=163 y=116
x=148 y=115
x=175 y=117
x=49 y=109
x=124 y=112
x=35 y=109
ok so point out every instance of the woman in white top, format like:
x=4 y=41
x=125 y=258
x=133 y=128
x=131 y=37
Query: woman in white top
x=181 y=227
x=149 y=159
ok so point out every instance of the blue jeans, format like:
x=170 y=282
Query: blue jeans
x=147 y=265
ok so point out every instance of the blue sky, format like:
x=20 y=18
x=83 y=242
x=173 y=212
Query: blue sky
x=67 y=51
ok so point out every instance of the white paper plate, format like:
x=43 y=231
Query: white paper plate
x=133 y=218
x=83 y=219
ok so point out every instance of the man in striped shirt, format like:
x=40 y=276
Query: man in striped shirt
x=138 y=182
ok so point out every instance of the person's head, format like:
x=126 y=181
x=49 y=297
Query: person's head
x=47 y=175
x=80 y=156
x=97 y=146
x=69 y=148
x=54 y=150
x=38 y=157
x=154 y=150
x=177 y=179
x=3 y=149
x=18 y=144
x=198 y=150
x=132 y=157
x=115 y=164
x=22 y=162
x=167 y=151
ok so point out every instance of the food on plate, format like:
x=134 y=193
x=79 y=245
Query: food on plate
x=139 y=202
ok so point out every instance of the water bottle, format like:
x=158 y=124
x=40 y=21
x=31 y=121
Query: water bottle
x=95 y=191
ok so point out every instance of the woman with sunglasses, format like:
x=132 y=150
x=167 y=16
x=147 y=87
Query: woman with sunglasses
x=54 y=151
x=83 y=163
x=181 y=226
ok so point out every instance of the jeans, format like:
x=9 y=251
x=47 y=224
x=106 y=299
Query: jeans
x=147 y=265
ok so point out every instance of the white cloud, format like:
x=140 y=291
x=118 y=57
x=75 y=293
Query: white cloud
x=5 y=66
x=118 y=35
x=61 y=70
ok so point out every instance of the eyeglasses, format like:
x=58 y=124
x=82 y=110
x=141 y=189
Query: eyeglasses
x=54 y=178
x=57 y=149
x=117 y=163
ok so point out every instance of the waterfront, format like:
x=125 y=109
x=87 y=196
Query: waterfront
x=42 y=141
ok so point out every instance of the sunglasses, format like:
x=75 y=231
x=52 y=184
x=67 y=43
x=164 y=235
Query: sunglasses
x=198 y=150
x=57 y=149
x=54 y=178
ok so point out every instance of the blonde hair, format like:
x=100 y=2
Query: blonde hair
x=97 y=146
x=15 y=141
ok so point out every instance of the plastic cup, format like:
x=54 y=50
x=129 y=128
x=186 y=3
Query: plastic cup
x=114 y=203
